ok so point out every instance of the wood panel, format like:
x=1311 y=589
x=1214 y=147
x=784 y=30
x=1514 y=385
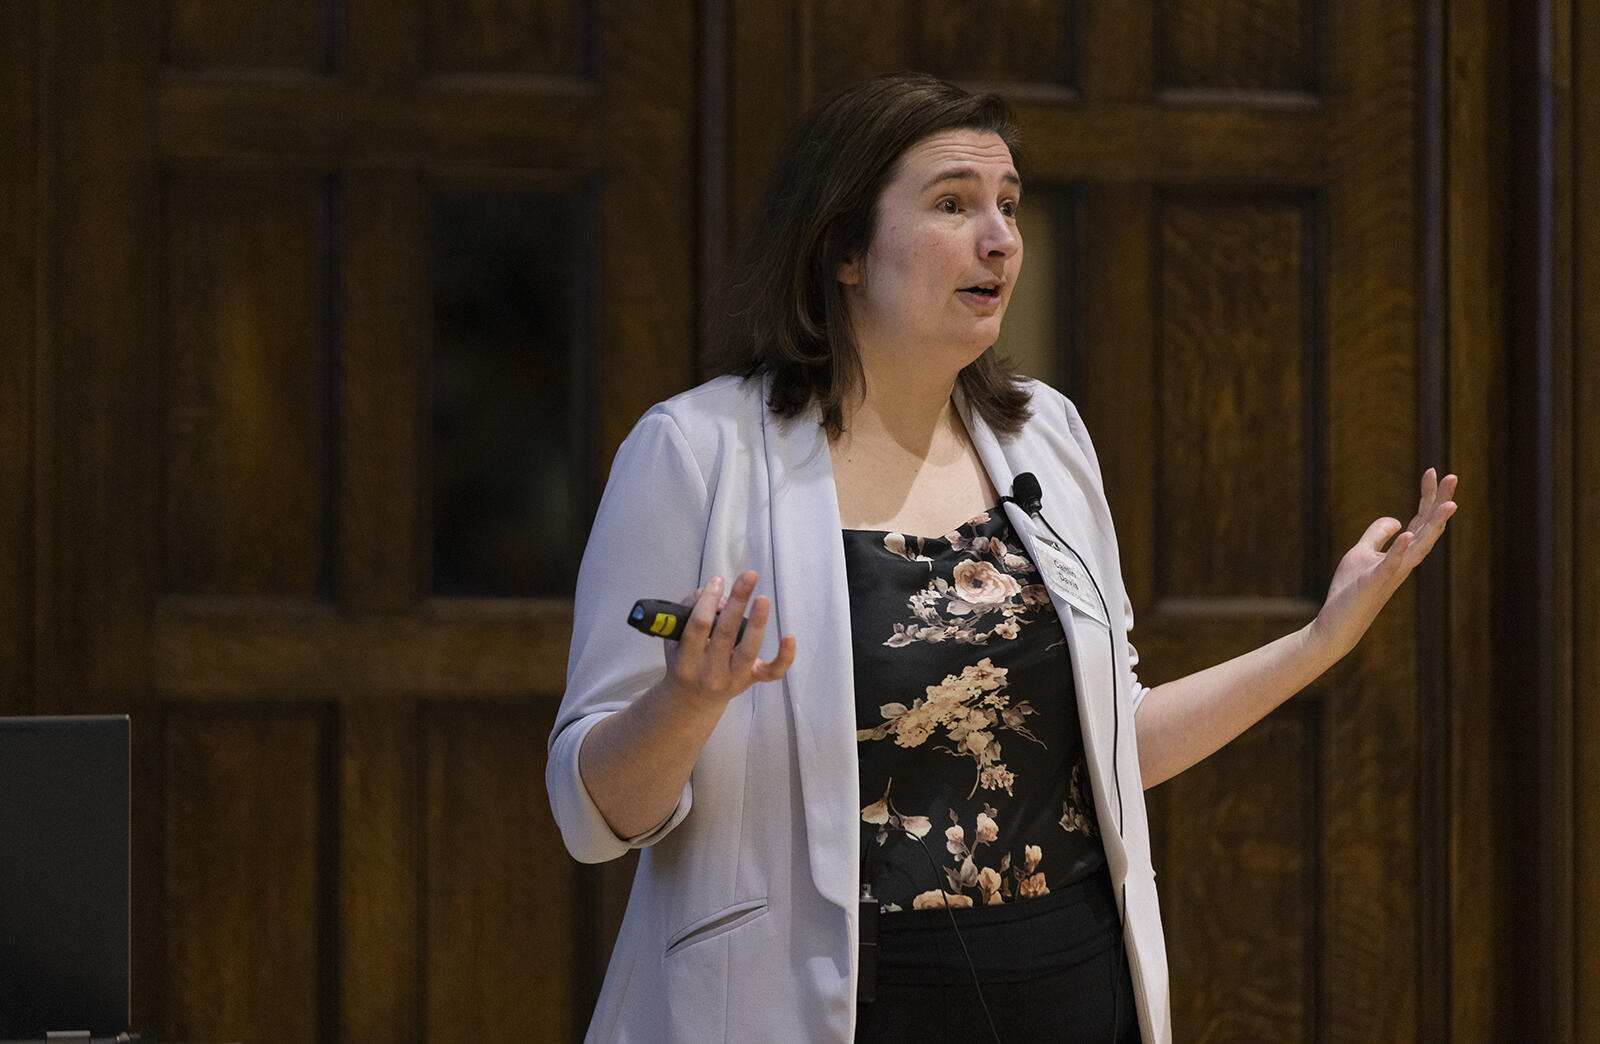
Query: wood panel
x=511 y=362
x=1010 y=41
x=288 y=35
x=217 y=649
x=385 y=330
x=19 y=256
x=101 y=426
x=242 y=861
x=247 y=379
x=489 y=936
x=1482 y=909
x=380 y=812
x=1372 y=303
x=511 y=37
x=1248 y=970
x=645 y=327
x=1240 y=45
x=1586 y=520
x=1236 y=399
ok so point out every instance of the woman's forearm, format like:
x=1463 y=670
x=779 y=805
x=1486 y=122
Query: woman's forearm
x=1182 y=722
x=635 y=762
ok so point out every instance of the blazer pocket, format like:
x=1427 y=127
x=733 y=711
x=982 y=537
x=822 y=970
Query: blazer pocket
x=720 y=923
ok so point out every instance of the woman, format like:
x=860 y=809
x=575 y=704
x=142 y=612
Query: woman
x=963 y=673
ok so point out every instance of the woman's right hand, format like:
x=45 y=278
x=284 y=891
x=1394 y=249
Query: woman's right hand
x=711 y=665
x=636 y=761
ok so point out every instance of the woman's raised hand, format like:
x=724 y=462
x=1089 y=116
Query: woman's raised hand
x=1369 y=574
x=709 y=664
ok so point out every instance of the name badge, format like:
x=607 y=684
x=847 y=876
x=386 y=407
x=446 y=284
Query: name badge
x=1065 y=575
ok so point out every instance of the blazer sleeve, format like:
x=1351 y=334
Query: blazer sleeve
x=646 y=542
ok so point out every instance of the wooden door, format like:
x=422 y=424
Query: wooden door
x=1221 y=215
x=348 y=306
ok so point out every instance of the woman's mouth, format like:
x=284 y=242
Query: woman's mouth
x=983 y=291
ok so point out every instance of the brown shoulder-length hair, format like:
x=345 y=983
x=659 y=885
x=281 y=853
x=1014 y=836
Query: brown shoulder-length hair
x=785 y=313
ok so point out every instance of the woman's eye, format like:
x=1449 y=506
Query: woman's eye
x=948 y=206
x=1009 y=208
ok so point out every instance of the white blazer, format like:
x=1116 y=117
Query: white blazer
x=741 y=926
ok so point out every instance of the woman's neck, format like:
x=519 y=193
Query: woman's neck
x=904 y=460
x=910 y=407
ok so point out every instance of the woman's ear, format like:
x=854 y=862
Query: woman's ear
x=850 y=271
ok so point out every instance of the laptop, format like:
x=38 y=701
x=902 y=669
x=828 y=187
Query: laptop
x=64 y=882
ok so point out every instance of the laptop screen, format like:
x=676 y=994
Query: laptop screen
x=64 y=851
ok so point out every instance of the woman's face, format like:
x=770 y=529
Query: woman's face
x=945 y=255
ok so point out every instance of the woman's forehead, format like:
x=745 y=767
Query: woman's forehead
x=979 y=153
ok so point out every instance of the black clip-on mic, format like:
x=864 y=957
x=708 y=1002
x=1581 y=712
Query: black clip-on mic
x=1027 y=495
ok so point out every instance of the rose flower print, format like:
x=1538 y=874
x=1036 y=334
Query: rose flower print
x=992 y=594
x=969 y=709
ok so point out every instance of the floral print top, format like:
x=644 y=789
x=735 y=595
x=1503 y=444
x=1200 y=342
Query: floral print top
x=974 y=788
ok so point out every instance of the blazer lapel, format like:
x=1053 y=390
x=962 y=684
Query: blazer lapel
x=811 y=600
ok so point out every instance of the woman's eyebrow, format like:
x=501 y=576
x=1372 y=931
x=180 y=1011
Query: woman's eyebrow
x=968 y=174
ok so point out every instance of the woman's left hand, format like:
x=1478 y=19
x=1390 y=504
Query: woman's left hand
x=1368 y=574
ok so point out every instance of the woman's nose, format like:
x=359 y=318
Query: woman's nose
x=1000 y=237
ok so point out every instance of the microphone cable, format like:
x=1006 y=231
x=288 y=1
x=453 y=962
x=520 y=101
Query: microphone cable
x=966 y=954
x=1029 y=496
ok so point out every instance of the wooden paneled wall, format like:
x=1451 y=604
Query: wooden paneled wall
x=1294 y=257
x=1585 y=349
x=20 y=259
x=341 y=832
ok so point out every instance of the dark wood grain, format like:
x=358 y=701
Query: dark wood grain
x=1247 y=960
x=1483 y=909
x=246 y=34
x=241 y=873
x=1372 y=301
x=1541 y=593
x=764 y=97
x=526 y=37
x=19 y=289
x=1236 y=292
x=1119 y=51
x=1120 y=317
x=385 y=44
x=498 y=894
x=1238 y=44
x=384 y=333
x=96 y=421
x=380 y=808
x=1586 y=519
x=458 y=648
x=645 y=329
x=100 y=425
x=1148 y=142
x=244 y=373
x=1011 y=41
x=483 y=121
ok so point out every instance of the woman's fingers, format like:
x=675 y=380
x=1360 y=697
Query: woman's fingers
x=1380 y=533
x=731 y=615
x=775 y=668
x=712 y=658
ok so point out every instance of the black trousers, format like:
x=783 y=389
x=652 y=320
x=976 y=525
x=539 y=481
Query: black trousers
x=1047 y=969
